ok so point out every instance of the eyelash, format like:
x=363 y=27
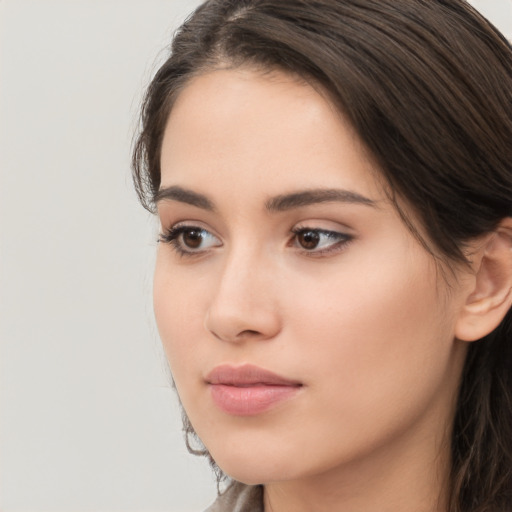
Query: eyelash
x=343 y=239
x=172 y=237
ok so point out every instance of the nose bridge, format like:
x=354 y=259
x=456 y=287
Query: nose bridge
x=244 y=303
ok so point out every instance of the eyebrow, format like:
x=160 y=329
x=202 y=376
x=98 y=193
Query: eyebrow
x=279 y=203
x=309 y=197
x=183 y=195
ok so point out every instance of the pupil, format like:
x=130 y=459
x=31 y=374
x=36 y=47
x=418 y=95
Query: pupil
x=309 y=239
x=192 y=238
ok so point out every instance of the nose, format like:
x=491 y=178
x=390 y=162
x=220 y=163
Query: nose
x=244 y=305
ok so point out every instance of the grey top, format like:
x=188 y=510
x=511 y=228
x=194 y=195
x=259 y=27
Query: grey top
x=239 y=498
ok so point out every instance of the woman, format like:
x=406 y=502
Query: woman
x=333 y=285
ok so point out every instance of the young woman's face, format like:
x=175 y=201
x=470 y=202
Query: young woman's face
x=306 y=328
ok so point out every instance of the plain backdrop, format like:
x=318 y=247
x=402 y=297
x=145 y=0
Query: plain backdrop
x=88 y=421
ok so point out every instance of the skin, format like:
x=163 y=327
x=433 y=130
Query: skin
x=365 y=322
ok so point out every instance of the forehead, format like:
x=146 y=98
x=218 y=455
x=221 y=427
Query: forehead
x=253 y=131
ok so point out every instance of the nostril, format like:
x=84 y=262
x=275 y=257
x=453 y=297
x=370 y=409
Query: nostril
x=249 y=333
x=230 y=319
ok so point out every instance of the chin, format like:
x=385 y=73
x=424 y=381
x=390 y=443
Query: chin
x=260 y=465
x=249 y=465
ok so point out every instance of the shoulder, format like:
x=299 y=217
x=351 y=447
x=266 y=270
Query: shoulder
x=239 y=498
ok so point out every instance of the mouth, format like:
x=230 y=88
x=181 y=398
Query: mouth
x=249 y=390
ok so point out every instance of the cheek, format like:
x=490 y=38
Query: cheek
x=375 y=340
x=179 y=315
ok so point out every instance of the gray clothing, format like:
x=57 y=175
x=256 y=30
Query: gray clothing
x=239 y=498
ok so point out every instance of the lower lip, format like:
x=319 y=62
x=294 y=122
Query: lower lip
x=251 y=400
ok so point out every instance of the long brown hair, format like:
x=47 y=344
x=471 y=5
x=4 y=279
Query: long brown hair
x=427 y=85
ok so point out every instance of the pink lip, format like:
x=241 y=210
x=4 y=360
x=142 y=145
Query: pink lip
x=248 y=390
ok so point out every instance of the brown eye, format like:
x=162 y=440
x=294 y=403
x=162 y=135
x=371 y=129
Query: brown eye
x=317 y=242
x=192 y=238
x=308 y=239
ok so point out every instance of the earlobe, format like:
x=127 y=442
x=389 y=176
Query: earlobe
x=490 y=298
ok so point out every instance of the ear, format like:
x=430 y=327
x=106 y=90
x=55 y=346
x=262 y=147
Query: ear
x=490 y=296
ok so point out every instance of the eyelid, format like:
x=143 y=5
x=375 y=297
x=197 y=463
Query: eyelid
x=342 y=238
x=332 y=239
x=171 y=236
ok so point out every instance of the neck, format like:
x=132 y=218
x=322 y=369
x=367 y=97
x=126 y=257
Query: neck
x=395 y=479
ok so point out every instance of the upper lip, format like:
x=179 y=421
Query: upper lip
x=247 y=375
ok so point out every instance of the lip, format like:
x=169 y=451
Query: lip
x=249 y=390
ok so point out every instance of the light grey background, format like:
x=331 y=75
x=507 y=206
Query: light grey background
x=87 y=420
